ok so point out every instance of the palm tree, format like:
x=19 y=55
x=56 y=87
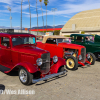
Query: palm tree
x=37 y=17
x=42 y=15
x=46 y=3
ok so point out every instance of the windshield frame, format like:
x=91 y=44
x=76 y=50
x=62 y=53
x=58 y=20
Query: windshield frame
x=22 y=38
x=63 y=39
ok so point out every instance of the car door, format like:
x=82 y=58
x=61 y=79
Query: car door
x=89 y=46
x=5 y=51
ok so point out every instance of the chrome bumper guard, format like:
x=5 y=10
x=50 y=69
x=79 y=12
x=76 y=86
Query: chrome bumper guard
x=48 y=77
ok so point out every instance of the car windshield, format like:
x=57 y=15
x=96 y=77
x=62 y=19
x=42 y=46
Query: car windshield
x=23 y=40
x=89 y=38
x=63 y=40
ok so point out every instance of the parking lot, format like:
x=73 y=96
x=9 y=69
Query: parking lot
x=82 y=84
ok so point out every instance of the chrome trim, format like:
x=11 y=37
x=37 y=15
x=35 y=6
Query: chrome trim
x=48 y=77
x=71 y=53
x=23 y=75
x=83 y=54
x=87 y=64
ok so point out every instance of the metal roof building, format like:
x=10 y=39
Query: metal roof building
x=87 y=21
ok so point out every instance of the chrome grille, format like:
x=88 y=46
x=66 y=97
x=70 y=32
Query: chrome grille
x=45 y=67
x=83 y=54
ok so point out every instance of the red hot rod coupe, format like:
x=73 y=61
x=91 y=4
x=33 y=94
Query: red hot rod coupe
x=18 y=51
x=73 y=54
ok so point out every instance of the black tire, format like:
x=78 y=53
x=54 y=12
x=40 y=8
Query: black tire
x=73 y=61
x=61 y=69
x=92 y=58
x=29 y=76
x=96 y=55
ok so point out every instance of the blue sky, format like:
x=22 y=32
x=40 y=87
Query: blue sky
x=65 y=10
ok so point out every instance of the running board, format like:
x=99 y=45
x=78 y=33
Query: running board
x=4 y=69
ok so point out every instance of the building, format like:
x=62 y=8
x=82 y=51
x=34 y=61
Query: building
x=49 y=29
x=87 y=21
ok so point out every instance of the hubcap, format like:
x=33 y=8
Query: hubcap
x=23 y=75
x=70 y=63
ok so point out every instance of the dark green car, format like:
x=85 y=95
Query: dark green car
x=88 y=41
x=97 y=38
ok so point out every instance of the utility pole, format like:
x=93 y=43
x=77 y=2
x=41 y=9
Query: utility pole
x=10 y=17
x=30 y=15
x=53 y=10
x=21 y=15
x=37 y=17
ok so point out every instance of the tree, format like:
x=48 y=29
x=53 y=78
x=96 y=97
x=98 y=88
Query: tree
x=42 y=15
x=82 y=32
x=46 y=3
x=37 y=17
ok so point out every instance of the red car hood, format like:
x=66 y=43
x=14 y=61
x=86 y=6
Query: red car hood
x=70 y=45
x=30 y=49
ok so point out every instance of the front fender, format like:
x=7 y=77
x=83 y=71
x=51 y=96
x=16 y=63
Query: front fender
x=55 y=67
x=96 y=51
x=29 y=67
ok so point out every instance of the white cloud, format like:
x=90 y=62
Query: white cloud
x=2 y=19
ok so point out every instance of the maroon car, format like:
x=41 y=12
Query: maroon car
x=18 y=51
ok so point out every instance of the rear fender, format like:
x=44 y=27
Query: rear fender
x=54 y=68
x=96 y=51
x=29 y=67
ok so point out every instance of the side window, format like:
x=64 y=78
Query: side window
x=51 y=41
x=79 y=39
x=72 y=38
x=5 y=41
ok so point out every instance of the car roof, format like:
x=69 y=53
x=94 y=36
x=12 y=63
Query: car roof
x=16 y=34
x=52 y=36
x=80 y=35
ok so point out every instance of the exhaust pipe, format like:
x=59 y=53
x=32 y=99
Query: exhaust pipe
x=48 y=77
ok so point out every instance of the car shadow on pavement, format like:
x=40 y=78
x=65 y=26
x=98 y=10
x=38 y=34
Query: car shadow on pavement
x=2 y=88
x=13 y=73
x=52 y=79
x=86 y=66
x=98 y=60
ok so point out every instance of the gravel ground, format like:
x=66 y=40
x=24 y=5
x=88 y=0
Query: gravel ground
x=82 y=84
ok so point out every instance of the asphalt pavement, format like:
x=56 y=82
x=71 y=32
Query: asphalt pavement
x=82 y=84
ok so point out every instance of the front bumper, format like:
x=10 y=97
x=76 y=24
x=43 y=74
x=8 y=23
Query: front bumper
x=83 y=64
x=48 y=77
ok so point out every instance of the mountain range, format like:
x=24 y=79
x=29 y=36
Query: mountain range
x=41 y=27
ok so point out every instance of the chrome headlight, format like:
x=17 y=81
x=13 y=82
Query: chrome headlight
x=88 y=56
x=55 y=59
x=80 y=57
x=39 y=61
